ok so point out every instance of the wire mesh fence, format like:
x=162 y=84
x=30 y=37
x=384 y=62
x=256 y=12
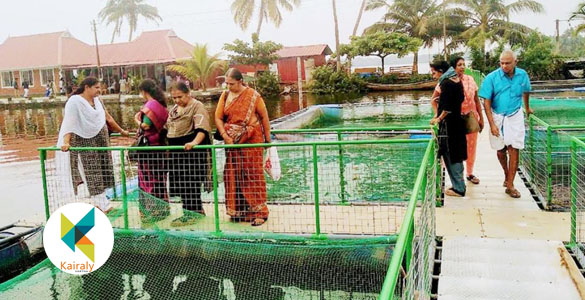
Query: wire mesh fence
x=577 y=196
x=411 y=267
x=331 y=183
x=546 y=161
x=351 y=196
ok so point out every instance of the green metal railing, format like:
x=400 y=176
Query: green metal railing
x=424 y=192
x=477 y=76
x=577 y=190
x=546 y=160
x=340 y=144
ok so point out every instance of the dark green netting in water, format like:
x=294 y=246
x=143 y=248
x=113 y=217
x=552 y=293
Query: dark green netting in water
x=560 y=111
x=185 y=265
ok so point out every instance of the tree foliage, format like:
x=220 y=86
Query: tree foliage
x=201 y=66
x=263 y=53
x=488 y=21
x=539 y=60
x=579 y=14
x=116 y=11
x=381 y=44
x=415 y=18
x=572 y=45
x=269 y=10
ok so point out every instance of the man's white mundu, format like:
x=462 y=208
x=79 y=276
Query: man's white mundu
x=512 y=131
x=85 y=121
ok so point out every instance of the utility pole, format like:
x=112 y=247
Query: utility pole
x=557 y=27
x=97 y=52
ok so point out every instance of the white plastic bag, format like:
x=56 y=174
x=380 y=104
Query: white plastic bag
x=272 y=164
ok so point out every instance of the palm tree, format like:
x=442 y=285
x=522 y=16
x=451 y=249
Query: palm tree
x=416 y=18
x=116 y=11
x=489 y=20
x=359 y=18
x=201 y=66
x=337 y=56
x=269 y=10
x=579 y=14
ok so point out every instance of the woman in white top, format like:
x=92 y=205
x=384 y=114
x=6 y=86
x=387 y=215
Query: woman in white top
x=84 y=125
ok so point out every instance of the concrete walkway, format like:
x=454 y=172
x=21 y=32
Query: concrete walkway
x=497 y=247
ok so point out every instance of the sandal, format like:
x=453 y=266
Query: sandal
x=513 y=193
x=451 y=192
x=473 y=179
x=258 y=222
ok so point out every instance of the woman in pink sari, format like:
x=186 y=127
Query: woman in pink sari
x=151 y=120
x=471 y=104
x=241 y=118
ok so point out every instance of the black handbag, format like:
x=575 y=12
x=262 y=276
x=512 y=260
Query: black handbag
x=140 y=141
x=217 y=136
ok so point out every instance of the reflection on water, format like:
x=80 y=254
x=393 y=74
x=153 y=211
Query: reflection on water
x=25 y=128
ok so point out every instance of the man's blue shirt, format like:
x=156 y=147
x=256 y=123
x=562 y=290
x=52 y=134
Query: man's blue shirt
x=505 y=92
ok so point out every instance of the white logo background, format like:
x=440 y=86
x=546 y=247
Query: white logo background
x=102 y=236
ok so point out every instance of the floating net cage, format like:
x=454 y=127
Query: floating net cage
x=546 y=160
x=183 y=219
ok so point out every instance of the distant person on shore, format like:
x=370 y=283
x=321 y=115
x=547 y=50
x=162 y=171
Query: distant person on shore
x=49 y=89
x=25 y=88
x=190 y=169
x=241 y=118
x=451 y=139
x=15 y=86
x=151 y=121
x=470 y=108
x=84 y=125
x=68 y=91
x=123 y=87
x=504 y=90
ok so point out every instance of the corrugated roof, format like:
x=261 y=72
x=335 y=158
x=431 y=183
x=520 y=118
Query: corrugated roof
x=301 y=51
x=61 y=49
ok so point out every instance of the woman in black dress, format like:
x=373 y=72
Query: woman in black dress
x=452 y=135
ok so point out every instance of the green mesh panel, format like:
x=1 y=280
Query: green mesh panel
x=175 y=265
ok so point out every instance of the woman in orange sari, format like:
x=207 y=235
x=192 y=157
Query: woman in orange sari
x=241 y=118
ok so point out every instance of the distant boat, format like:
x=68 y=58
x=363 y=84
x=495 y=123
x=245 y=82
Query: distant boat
x=579 y=89
x=425 y=85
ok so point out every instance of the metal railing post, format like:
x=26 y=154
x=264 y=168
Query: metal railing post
x=316 y=191
x=549 y=165
x=124 y=190
x=573 y=193
x=531 y=146
x=44 y=178
x=215 y=196
x=341 y=169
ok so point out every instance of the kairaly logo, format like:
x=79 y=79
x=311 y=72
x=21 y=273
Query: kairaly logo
x=78 y=238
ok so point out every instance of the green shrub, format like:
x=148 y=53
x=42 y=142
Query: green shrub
x=328 y=81
x=419 y=78
x=267 y=84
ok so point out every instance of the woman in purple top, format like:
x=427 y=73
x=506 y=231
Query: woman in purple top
x=151 y=120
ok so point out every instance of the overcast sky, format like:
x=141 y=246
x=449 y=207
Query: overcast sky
x=211 y=22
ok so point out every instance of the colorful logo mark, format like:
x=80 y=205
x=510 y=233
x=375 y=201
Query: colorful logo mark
x=74 y=236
